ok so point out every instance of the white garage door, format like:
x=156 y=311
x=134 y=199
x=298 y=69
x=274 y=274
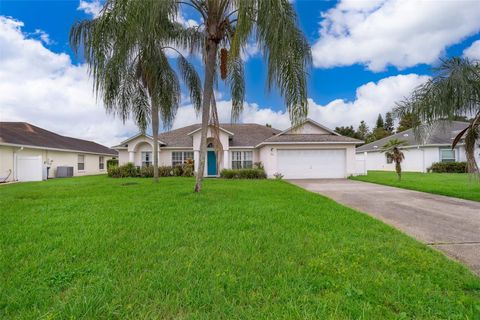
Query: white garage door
x=311 y=163
x=29 y=168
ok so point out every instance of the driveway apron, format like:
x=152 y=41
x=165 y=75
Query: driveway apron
x=448 y=224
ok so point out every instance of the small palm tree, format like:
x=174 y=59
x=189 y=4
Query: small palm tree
x=392 y=152
x=125 y=48
x=228 y=26
x=453 y=91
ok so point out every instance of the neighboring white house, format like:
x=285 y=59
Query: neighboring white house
x=27 y=151
x=305 y=152
x=421 y=150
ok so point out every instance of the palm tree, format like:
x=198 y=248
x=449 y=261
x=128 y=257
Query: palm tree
x=228 y=25
x=125 y=48
x=452 y=92
x=392 y=152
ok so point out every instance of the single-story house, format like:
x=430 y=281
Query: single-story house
x=420 y=151
x=310 y=150
x=30 y=153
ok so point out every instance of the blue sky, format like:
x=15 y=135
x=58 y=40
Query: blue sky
x=367 y=54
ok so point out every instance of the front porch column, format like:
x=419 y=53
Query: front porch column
x=196 y=159
x=226 y=161
x=131 y=156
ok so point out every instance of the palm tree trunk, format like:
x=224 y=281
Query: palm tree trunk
x=398 y=168
x=470 y=141
x=211 y=60
x=155 y=124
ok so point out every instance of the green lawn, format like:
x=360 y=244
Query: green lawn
x=448 y=184
x=100 y=248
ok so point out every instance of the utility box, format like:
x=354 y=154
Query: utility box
x=64 y=172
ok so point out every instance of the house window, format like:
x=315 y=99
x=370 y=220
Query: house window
x=146 y=158
x=101 y=163
x=242 y=159
x=388 y=158
x=447 y=155
x=81 y=162
x=181 y=157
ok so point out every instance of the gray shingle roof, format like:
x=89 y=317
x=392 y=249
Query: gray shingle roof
x=244 y=135
x=22 y=133
x=441 y=133
x=311 y=138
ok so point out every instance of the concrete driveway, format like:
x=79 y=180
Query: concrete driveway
x=448 y=224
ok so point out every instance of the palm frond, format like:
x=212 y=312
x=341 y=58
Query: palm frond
x=287 y=54
x=236 y=79
x=192 y=81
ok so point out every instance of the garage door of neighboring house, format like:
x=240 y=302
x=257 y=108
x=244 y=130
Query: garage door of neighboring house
x=29 y=168
x=312 y=163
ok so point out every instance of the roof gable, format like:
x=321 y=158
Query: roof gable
x=309 y=127
x=124 y=143
x=211 y=126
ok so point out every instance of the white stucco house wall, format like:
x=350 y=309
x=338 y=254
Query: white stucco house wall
x=26 y=151
x=308 y=151
x=420 y=151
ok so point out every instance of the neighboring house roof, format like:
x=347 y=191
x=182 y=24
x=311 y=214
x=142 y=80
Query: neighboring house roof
x=25 y=134
x=441 y=133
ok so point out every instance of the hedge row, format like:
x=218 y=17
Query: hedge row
x=243 y=174
x=448 y=167
x=130 y=170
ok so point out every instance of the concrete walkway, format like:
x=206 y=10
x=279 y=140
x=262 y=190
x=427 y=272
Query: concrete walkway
x=449 y=224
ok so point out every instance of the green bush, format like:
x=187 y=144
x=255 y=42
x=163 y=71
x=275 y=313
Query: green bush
x=229 y=174
x=146 y=172
x=127 y=170
x=113 y=172
x=165 y=171
x=177 y=171
x=188 y=168
x=243 y=174
x=448 y=167
x=112 y=163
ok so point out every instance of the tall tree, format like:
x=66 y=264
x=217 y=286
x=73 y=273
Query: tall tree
x=228 y=26
x=392 y=152
x=377 y=134
x=347 y=131
x=389 y=125
x=407 y=121
x=454 y=90
x=379 y=123
x=363 y=131
x=125 y=48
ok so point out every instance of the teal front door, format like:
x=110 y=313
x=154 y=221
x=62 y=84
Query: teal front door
x=211 y=163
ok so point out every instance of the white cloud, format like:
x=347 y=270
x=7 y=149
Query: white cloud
x=47 y=90
x=473 y=52
x=249 y=51
x=371 y=99
x=402 y=33
x=45 y=37
x=187 y=23
x=90 y=7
